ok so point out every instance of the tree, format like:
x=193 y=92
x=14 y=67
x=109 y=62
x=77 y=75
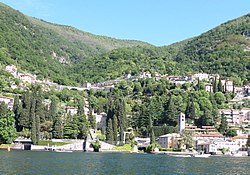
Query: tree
x=33 y=123
x=205 y=119
x=109 y=132
x=187 y=139
x=219 y=98
x=151 y=131
x=92 y=121
x=7 y=122
x=115 y=129
x=57 y=127
x=220 y=87
x=53 y=110
x=17 y=108
x=190 y=110
x=223 y=124
x=83 y=126
x=215 y=84
x=231 y=133
x=25 y=116
x=120 y=112
x=248 y=142
x=170 y=113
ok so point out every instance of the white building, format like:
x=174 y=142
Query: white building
x=71 y=110
x=237 y=116
x=209 y=87
x=241 y=141
x=227 y=85
x=229 y=145
x=201 y=76
x=11 y=69
x=101 y=120
x=8 y=101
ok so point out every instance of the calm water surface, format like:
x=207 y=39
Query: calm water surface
x=31 y=162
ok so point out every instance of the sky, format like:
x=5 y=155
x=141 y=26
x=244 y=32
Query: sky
x=158 y=22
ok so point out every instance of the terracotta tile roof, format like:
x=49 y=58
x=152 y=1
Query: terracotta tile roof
x=240 y=137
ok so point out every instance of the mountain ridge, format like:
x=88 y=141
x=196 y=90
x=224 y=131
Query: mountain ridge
x=69 y=56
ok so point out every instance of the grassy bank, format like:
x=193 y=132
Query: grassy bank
x=50 y=143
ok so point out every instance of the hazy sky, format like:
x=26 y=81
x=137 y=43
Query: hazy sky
x=159 y=22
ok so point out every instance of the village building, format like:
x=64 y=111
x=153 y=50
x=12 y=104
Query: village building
x=71 y=110
x=201 y=76
x=217 y=146
x=241 y=141
x=208 y=87
x=27 y=78
x=237 y=117
x=169 y=140
x=9 y=101
x=227 y=85
x=101 y=120
x=11 y=69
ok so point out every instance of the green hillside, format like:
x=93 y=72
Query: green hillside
x=46 y=49
x=69 y=56
x=224 y=50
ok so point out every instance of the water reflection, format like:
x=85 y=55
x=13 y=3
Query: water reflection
x=28 y=162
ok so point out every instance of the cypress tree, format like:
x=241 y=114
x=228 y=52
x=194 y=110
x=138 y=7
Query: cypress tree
x=248 y=141
x=115 y=129
x=33 y=122
x=170 y=114
x=215 y=85
x=80 y=107
x=120 y=112
x=151 y=131
x=52 y=110
x=192 y=110
x=109 y=132
x=223 y=124
x=220 y=87
x=25 y=116
x=39 y=111
x=17 y=108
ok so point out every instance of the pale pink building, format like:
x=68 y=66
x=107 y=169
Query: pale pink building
x=27 y=78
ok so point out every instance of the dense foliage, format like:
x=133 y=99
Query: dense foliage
x=68 y=56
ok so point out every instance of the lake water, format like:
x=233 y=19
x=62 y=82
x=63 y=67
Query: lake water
x=31 y=162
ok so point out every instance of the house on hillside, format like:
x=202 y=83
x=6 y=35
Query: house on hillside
x=227 y=85
x=101 y=120
x=201 y=76
x=11 y=69
x=71 y=110
x=209 y=87
x=27 y=78
x=8 y=101
x=237 y=117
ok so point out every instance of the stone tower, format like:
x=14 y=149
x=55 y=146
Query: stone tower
x=181 y=122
